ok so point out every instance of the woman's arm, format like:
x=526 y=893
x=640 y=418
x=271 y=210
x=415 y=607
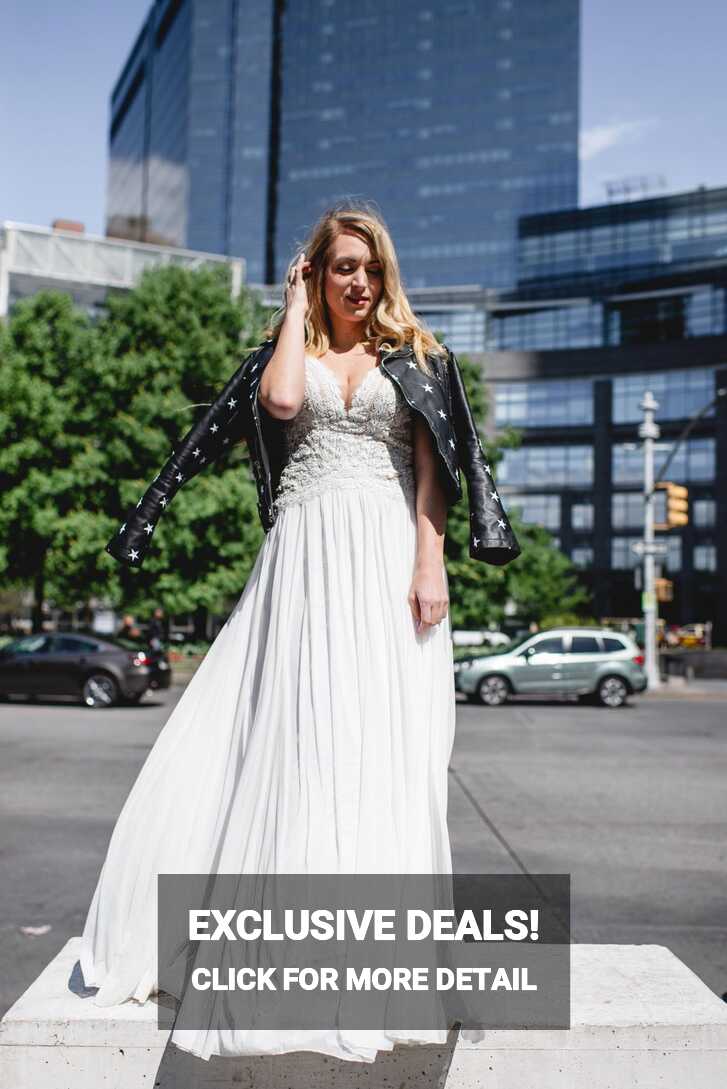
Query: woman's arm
x=282 y=385
x=428 y=597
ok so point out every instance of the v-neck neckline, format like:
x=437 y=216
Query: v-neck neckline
x=347 y=409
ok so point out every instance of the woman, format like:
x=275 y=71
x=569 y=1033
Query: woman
x=315 y=735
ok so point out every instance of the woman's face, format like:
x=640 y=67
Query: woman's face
x=353 y=280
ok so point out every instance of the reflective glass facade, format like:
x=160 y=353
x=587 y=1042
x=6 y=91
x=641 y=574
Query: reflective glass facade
x=234 y=122
x=550 y=466
x=678 y=393
x=582 y=515
x=577 y=326
x=627 y=509
x=632 y=238
x=639 y=272
x=693 y=461
x=703 y=512
x=190 y=130
x=541 y=510
x=680 y=314
x=547 y=403
x=463 y=118
x=461 y=330
x=705 y=557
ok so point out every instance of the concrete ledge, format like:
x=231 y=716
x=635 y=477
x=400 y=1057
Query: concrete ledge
x=640 y=1019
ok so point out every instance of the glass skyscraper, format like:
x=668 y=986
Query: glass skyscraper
x=234 y=122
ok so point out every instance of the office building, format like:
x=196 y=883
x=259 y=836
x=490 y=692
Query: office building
x=233 y=123
x=612 y=301
x=87 y=267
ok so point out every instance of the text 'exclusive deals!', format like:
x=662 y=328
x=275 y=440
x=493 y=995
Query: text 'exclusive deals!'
x=364 y=951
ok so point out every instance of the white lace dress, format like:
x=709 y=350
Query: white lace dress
x=315 y=735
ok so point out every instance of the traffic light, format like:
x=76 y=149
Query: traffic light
x=664 y=589
x=677 y=505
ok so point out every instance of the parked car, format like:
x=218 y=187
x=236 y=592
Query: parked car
x=100 y=670
x=587 y=662
x=692 y=635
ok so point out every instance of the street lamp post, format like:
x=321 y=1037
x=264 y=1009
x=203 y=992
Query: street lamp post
x=649 y=548
x=649 y=432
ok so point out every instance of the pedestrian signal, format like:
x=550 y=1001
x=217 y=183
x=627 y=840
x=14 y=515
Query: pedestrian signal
x=677 y=505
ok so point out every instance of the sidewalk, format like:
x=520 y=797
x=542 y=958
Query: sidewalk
x=701 y=688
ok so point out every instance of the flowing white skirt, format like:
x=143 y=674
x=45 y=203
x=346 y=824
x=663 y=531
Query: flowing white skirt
x=314 y=737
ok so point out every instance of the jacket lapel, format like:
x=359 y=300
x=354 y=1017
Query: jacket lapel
x=427 y=395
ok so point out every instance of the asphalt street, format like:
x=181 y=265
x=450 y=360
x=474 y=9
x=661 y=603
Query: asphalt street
x=630 y=802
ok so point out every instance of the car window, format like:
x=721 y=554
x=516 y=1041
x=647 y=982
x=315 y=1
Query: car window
x=30 y=644
x=552 y=645
x=612 y=646
x=128 y=644
x=71 y=644
x=584 y=644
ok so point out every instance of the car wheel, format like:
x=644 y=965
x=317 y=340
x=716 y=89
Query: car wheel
x=493 y=691
x=100 y=690
x=612 y=692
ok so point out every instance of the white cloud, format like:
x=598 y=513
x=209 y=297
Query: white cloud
x=602 y=138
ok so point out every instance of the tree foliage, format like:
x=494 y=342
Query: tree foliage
x=89 y=413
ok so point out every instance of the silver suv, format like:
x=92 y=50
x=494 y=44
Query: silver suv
x=594 y=663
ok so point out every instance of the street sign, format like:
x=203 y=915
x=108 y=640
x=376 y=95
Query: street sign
x=656 y=548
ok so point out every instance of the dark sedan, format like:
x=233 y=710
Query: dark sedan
x=100 y=670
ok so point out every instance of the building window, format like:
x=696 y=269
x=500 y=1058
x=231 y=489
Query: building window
x=461 y=330
x=649 y=321
x=622 y=553
x=627 y=509
x=540 y=510
x=703 y=512
x=561 y=327
x=704 y=557
x=547 y=466
x=693 y=461
x=581 y=516
x=680 y=394
x=544 y=404
x=582 y=556
x=673 y=558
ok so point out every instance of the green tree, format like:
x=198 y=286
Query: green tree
x=89 y=413
x=168 y=347
x=50 y=467
x=541 y=580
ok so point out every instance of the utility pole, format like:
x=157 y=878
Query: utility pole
x=649 y=432
x=649 y=548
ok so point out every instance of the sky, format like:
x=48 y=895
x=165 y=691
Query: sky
x=651 y=99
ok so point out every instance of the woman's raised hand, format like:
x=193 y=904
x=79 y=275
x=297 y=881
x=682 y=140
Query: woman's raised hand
x=295 y=291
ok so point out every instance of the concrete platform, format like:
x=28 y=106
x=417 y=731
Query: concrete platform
x=640 y=1020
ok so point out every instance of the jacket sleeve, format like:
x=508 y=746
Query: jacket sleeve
x=226 y=420
x=491 y=536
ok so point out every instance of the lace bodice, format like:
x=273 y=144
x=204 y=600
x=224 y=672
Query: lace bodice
x=367 y=445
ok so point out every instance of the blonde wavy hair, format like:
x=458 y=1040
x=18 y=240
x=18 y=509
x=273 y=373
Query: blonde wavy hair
x=392 y=324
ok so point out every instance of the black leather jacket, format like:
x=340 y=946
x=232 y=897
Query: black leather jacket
x=235 y=414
